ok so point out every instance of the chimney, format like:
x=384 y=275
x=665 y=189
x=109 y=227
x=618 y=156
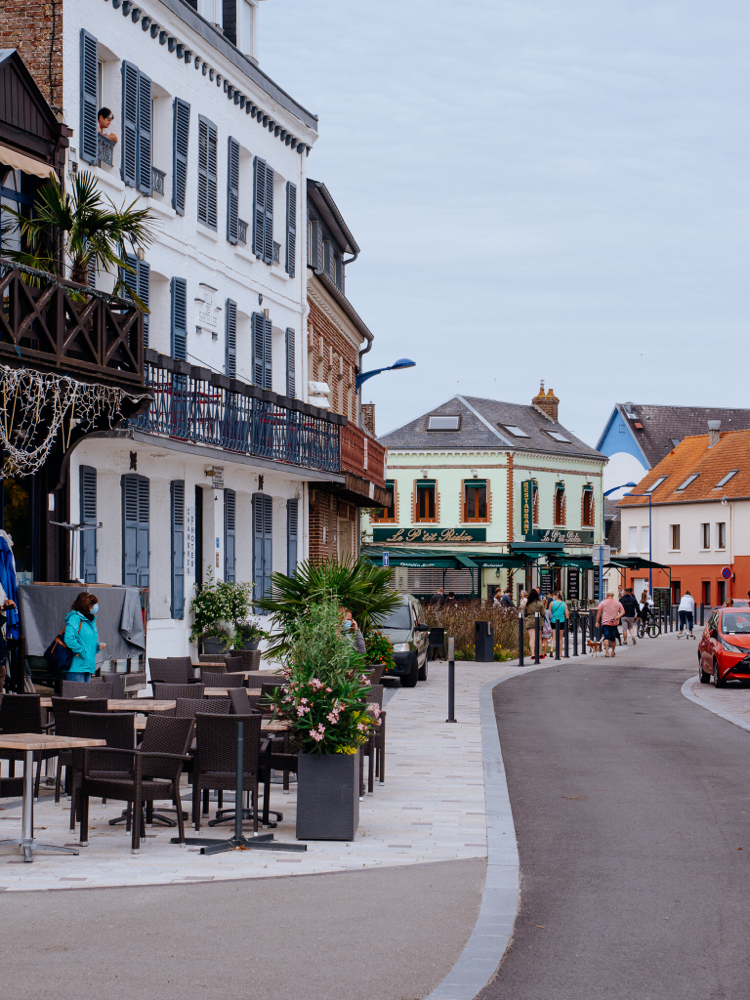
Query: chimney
x=547 y=402
x=368 y=419
x=714 y=432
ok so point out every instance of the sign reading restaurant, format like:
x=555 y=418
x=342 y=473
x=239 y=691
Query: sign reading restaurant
x=423 y=535
x=560 y=535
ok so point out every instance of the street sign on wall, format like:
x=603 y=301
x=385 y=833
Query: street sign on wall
x=386 y=558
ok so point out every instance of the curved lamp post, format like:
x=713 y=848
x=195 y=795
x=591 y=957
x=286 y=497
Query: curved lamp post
x=601 y=556
x=363 y=376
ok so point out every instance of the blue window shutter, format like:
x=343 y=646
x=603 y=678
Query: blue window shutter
x=229 y=20
x=135 y=531
x=231 y=347
x=268 y=354
x=230 y=504
x=144 y=293
x=268 y=241
x=145 y=134
x=180 y=138
x=89 y=142
x=179 y=319
x=258 y=334
x=87 y=492
x=178 y=547
x=267 y=544
x=213 y=176
x=292 y=532
x=129 y=141
x=291 y=227
x=259 y=206
x=233 y=189
x=207 y=172
x=291 y=387
x=130 y=278
x=262 y=544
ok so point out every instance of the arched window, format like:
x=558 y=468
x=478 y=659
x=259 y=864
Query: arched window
x=587 y=510
x=559 y=504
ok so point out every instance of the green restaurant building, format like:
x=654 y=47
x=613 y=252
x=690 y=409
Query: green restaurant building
x=487 y=494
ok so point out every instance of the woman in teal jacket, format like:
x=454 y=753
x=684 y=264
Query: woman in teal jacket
x=81 y=636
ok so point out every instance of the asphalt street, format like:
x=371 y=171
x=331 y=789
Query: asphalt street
x=632 y=811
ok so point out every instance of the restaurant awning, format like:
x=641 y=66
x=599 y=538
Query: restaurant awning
x=635 y=562
x=444 y=558
x=17 y=160
x=531 y=551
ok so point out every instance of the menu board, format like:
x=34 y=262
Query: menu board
x=574 y=580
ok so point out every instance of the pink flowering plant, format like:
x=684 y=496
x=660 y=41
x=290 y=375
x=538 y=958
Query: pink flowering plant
x=325 y=700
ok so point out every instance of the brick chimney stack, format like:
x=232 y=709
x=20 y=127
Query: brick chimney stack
x=546 y=402
x=368 y=419
x=714 y=432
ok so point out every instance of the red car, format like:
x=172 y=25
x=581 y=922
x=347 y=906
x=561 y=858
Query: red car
x=724 y=649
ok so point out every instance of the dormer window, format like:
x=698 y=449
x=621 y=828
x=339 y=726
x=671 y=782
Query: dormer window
x=444 y=422
x=725 y=480
x=515 y=431
x=655 y=484
x=557 y=436
x=688 y=481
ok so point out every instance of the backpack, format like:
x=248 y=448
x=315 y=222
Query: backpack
x=58 y=654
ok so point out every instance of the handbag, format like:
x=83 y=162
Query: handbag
x=58 y=654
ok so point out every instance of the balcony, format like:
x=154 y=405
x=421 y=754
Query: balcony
x=362 y=455
x=241 y=231
x=105 y=150
x=197 y=406
x=157 y=181
x=56 y=325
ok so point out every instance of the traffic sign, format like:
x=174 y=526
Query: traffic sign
x=606 y=552
x=726 y=573
x=386 y=558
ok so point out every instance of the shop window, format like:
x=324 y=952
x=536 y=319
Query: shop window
x=386 y=515
x=425 y=506
x=587 y=515
x=475 y=500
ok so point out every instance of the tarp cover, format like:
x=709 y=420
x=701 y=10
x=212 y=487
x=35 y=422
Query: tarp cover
x=119 y=622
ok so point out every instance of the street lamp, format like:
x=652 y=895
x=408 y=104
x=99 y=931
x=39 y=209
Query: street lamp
x=601 y=551
x=363 y=377
x=650 y=571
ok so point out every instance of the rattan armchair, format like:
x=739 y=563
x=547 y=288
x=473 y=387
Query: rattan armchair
x=170 y=692
x=215 y=759
x=224 y=680
x=61 y=709
x=171 y=670
x=118 y=729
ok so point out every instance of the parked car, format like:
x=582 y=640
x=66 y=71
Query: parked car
x=724 y=649
x=407 y=630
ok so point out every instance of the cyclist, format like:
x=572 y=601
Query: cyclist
x=686 y=609
x=632 y=611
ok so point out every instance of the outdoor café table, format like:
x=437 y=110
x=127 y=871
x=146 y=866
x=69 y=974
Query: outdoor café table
x=29 y=742
x=140 y=705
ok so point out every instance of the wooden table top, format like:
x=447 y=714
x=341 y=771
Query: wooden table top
x=38 y=741
x=140 y=705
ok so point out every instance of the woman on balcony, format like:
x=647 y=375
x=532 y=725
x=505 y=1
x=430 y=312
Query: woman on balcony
x=105 y=120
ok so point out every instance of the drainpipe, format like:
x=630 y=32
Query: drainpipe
x=359 y=394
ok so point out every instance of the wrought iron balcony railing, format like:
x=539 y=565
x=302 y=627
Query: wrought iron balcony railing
x=105 y=150
x=195 y=405
x=50 y=323
x=157 y=180
x=241 y=231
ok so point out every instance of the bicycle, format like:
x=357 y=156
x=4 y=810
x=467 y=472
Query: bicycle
x=650 y=627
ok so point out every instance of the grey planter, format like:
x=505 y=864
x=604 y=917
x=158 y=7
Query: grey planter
x=213 y=647
x=327 y=796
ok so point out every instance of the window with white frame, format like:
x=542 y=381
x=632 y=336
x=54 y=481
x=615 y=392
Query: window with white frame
x=705 y=536
x=674 y=537
x=633 y=539
x=721 y=535
x=645 y=538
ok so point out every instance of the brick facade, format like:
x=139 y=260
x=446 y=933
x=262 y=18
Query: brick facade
x=34 y=27
x=333 y=360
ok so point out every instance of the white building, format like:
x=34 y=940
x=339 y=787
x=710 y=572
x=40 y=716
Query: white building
x=213 y=479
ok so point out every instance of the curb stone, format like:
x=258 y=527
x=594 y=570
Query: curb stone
x=687 y=692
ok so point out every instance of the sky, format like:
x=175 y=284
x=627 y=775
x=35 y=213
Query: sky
x=540 y=190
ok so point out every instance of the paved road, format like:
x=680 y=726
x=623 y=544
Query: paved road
x=384 y=934
x=630 y=805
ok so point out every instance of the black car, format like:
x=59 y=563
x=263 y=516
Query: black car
x=408 y=632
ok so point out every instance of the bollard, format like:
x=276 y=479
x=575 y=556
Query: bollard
x=557 y=640
x=575 y=632
x=567 y=639
x=584 y=623
x=521 y=638
x=592 y=626
x=451 y=681
x=703 y=611
x=537 y=636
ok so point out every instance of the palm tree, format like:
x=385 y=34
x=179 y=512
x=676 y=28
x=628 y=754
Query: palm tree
x=89 y=231
x=362 y=587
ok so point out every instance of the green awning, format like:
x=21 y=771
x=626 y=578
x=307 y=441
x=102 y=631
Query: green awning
x=635 y=562
x=465 y=561
x=423 y=557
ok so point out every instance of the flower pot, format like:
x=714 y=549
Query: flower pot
x=327 y=796
x=251 y=644
x=213 y=647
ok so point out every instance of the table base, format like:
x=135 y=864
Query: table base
x=28 y=845
x=227 y=815
x=263 y=842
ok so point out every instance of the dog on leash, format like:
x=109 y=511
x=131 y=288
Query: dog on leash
x=595 y=646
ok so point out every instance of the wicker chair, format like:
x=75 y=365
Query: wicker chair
x=117 y=728
x=212 y=668
x=241 y=704
x=61 y=709
x=22 y=713
x=224 y=680
x=115 y=684
x=170 y=692
x=153 y=772
x=215 y=760
x=234 y=664
x=171 y=670
x=94 y=689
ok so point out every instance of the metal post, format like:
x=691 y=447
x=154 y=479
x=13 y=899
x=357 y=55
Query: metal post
x=521 y=638
x=575 y=632
x=27 y=809
x=537 y=636
x=557 y=640
x=702 y=610
x=451 y=681
x=567 y=639
x=238 y=780
x=584 y=623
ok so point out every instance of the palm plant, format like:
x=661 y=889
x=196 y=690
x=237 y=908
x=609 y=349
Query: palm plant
x=360 y=586
x=88 y=229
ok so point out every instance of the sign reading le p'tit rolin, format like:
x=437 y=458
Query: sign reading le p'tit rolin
x=454 y=536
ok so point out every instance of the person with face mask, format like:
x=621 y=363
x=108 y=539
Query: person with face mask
x=82 y=638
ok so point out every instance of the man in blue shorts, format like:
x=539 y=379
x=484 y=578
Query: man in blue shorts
x=609 y=614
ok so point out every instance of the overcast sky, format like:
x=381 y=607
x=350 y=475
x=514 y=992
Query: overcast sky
x=540 y=189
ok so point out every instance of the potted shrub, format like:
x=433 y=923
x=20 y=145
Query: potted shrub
x=221 y=617
x=324 y=702
x=380 y=651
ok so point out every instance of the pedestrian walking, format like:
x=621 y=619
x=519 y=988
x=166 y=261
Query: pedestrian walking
x=438 y=599
x=609 y=614
x=686 y=611
x=82 y=637
x=558 y=612
x=523 y=600
x=506 y=601
x=632 y=611
x=530 y=608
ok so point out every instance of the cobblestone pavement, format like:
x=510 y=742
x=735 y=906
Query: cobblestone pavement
x=732 y=700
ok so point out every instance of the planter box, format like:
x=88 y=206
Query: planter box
x=213 y=647
x=327 y=796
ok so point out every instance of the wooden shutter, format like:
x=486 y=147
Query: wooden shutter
x=262 y=544
x=87 y=491
x=233 y=189
x=180 y=137
x=178 y=547
x=291 y=227
x=268 y=354
x=291 y=388
x=203 y=125
x=259 y=206
x=179 y=319
x=268 y=240
x=89 y=142
x=230 y=504
x=129 y=139
x=145 y=134
x=262 y=332
x=292 y=531
x=144 y=293
x=229 y=20
x=135 y=531
x=231 y=334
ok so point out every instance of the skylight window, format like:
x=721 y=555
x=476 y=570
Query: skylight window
x=725 y=480
x=443 y=423
x=515 y=431
x=557 y=436
x=654 y=485
x=688 y=481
